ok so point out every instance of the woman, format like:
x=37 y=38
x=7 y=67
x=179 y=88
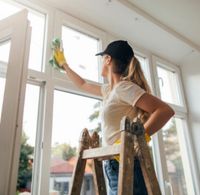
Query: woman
x=126 y=94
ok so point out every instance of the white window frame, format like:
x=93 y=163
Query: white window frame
x=13 y=103
x=171 y=67
x=180 y=112
x=62 y=19
x=56 y=80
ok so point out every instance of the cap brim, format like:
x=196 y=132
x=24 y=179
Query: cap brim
x=100 y=54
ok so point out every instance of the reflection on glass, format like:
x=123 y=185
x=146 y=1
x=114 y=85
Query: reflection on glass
x=169 y=86
x=28 y=139
x=174 y=157
x=80 y=51
x=4 y=51
x=37 y=22
x=71 y=114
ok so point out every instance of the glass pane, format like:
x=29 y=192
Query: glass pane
x=28 y=138
x=80 y=51
x=37 y=22
x=169 y=86
x=175 y=157
x=71 y=114
x=4 y=51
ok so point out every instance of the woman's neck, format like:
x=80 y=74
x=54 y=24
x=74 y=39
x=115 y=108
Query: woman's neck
x=113 y=79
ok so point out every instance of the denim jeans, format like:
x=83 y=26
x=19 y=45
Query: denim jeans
x=111 y=169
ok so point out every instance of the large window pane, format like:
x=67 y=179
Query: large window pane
x=169 y=86
x=4 y=51
x=37 y=22
x=175 y=157
x=80 y=51
x=71 y=114
x=24 y=180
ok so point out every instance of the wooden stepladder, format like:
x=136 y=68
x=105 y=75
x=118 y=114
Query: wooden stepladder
x=132 y=133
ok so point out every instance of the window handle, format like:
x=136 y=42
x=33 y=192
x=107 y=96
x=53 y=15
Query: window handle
x=160 y=80
x=169 y=186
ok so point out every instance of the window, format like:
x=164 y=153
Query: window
x=176 y=158
x=177 y=166
x=169 y=86
x=28 y=138
x=80 y=50
x=37 y=22
x=71 y=114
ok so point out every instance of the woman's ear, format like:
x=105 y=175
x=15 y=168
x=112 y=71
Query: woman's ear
x=108 y=60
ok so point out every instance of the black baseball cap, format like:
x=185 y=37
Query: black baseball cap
x=119 y=50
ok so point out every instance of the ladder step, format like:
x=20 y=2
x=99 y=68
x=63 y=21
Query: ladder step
x=103 y=152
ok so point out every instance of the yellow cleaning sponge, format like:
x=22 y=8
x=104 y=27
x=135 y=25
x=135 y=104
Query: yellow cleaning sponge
x=58 y=59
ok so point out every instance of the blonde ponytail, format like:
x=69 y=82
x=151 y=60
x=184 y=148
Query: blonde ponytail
x=136 y=75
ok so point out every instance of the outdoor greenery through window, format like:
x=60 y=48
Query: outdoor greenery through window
x=175 y=162
x=28 y=137
x=71 y=114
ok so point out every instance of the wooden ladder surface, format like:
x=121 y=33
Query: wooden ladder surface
x=131 y=133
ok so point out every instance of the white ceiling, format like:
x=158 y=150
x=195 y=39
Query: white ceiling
x=169 y=29
x=183 y=16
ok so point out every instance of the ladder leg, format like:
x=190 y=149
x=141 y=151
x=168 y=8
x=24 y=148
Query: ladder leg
x=125 y=181
x=79 y=169
x=99 y=181
x=147 y=167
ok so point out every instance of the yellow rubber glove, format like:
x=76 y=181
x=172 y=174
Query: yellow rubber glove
x=57 y=59
x=147 y=137
x=59 y=56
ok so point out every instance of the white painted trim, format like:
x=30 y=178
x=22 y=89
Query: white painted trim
x=12 y=109
x=46 y=143
x=68 y=86
x=36 y=178
x=47 y=112
x=17 y=145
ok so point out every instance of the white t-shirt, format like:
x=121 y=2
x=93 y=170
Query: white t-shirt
x=118 y=102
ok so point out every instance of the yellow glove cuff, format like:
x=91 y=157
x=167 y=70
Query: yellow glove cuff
x=147 y=137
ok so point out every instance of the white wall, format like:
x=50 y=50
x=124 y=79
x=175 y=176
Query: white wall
x=190 y=68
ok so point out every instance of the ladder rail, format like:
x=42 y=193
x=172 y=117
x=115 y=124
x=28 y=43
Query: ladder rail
x=131 y=133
